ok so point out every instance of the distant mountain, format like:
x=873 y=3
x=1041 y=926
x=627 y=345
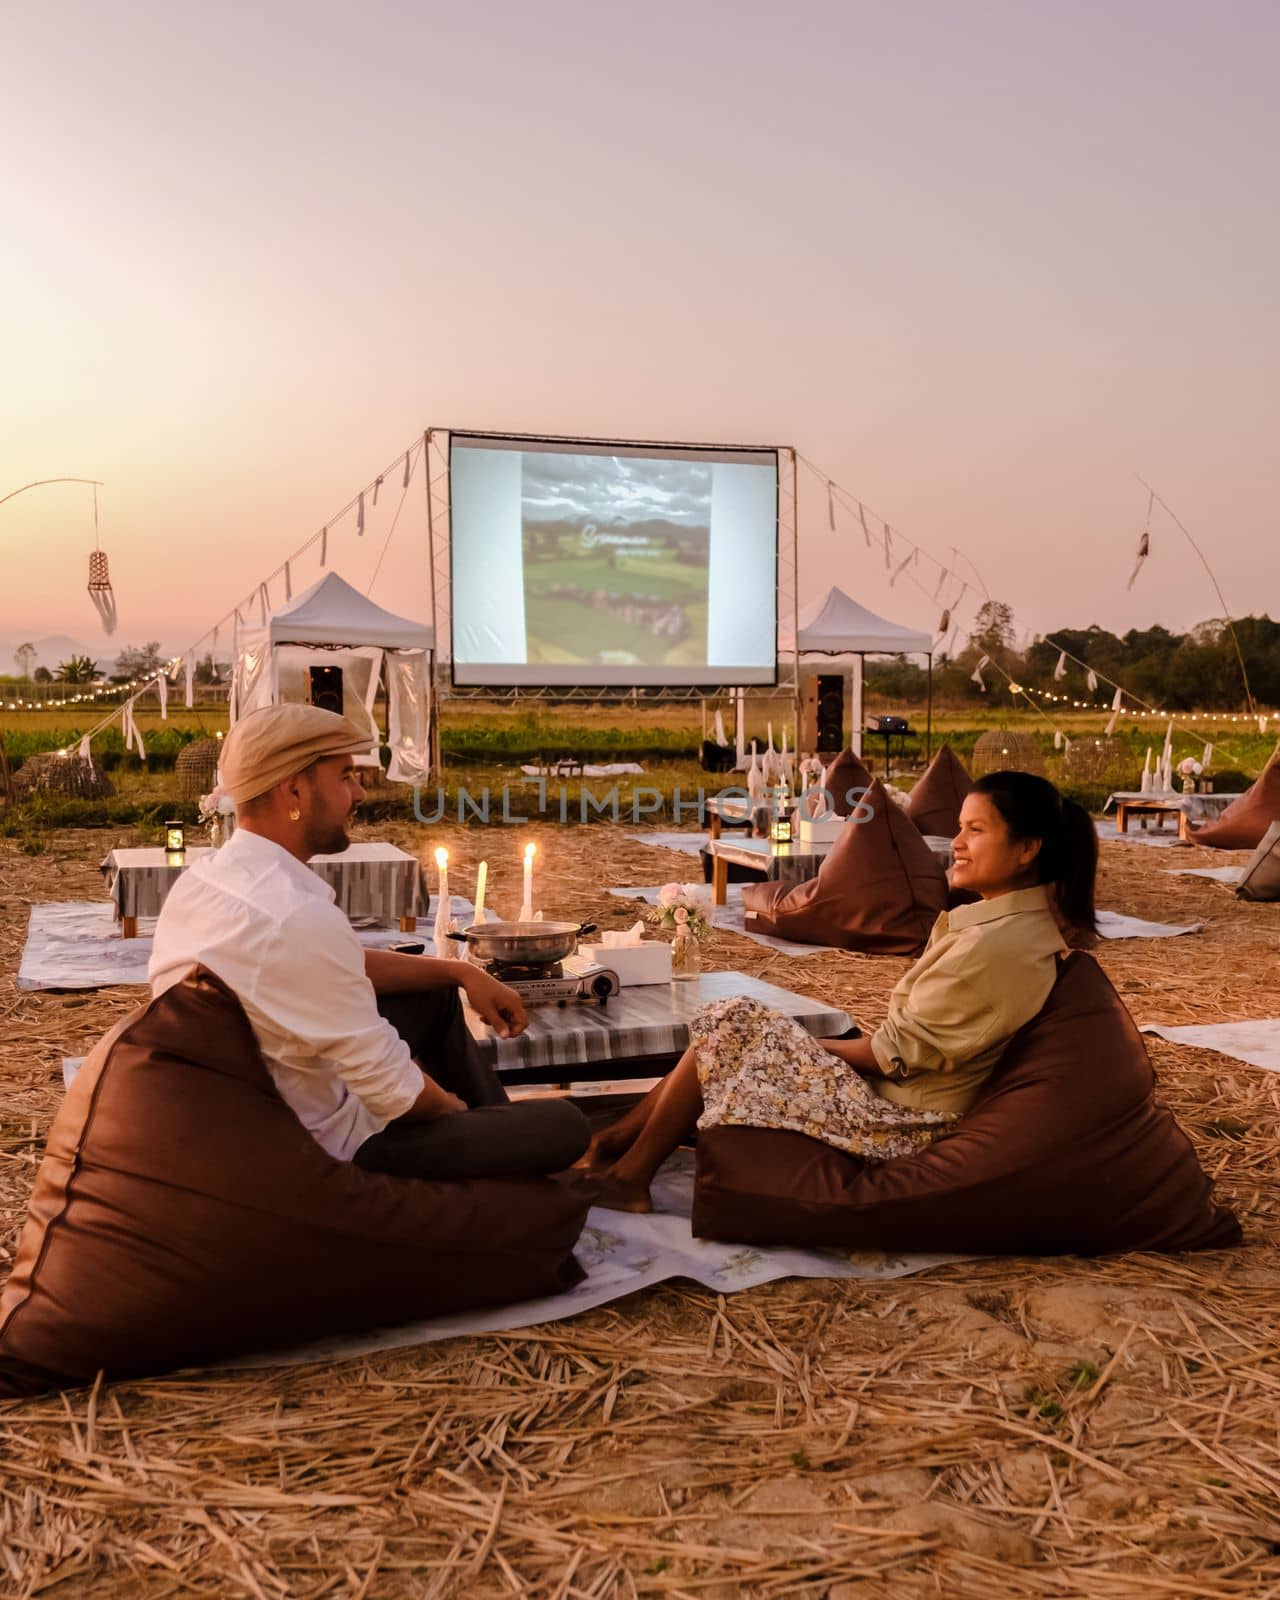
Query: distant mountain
x=54 y=647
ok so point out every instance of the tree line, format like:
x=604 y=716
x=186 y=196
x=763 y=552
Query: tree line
x=1198 y=670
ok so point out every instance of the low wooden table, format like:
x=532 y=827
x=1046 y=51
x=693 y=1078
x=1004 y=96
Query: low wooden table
x=735 y=813
x=1146 y=810
x=785 y=863
x=640 y=1033
x=371 y=882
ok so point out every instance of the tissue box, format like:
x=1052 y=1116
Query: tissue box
x=821 y=830
x=646 y=962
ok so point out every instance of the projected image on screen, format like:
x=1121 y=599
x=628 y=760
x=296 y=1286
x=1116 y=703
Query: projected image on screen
x=583 y=563
x=615 y=560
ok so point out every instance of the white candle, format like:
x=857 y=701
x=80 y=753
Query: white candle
x=526 y=905
x=482 y=877
x=444 y=922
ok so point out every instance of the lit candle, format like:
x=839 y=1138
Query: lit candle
x=482 y=877
x=444 y=922
x=526 y=905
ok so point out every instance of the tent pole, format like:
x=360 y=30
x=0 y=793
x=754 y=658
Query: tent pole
x=928 y=722
x=856 y=718
x=433 y=714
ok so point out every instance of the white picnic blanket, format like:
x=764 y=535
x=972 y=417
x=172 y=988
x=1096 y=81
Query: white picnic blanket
x=1231 y=876
x=1107 y=830
x=691 y=843
x=1116 y=925
x=1257 y=1044
x=730 y=917
x=616 y=769
x=75 y=944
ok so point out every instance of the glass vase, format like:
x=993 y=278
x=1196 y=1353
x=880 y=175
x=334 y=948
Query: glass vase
x=686 y=956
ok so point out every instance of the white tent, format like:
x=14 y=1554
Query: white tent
x=333 y=625
x=841 y=630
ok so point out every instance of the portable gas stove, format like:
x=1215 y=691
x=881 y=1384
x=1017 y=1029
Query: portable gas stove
x=557 y=982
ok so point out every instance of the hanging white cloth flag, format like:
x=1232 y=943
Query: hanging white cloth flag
x=162 y=684
x=360 y=517
x=264 y=601
x=1092 y=681
x=831 y=506
x=944 y=623
x=189 y=673
x=377 y=484
x=862 y=518
x=888 y=547
x=405 y=484
x=720 y=738
x=1057 y=738
x=288 y=582
x=900 y=570
x=85 y=753
x=1144 y=547
x=976 y=675
x=1060 y=671
x=1115 y=712
x=324 y=545
x=942 y=583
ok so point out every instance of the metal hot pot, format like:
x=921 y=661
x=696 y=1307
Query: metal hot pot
x=523 y=944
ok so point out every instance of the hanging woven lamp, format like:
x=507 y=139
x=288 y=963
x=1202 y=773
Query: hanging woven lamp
x=100 y=590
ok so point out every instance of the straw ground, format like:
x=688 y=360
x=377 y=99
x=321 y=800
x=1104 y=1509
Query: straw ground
x=1103 y=1429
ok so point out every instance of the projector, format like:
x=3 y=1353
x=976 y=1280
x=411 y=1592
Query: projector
x=888 y=725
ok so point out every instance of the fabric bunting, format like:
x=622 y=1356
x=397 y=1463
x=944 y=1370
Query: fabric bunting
x=898 y=571
x=831 y=506
x=85 y=753
x=189 y=673
x=162 y=686
x=1115 y=712
x=888 y=547
x=862 y=518
x=288 y=582
x=360 y=517
x=264 y=601
x=377 y=484
x=1207 y=757
x=1092 y=681
x=976 y=675
x=1144 y=549
x=1060 y=671
x=405 y=483
x=324 y=545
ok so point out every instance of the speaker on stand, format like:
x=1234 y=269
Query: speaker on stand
x=829 y=720
x=326 y=688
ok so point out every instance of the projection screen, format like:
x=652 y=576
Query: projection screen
x=575 y=562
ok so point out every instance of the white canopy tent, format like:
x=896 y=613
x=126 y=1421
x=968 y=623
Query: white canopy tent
x=333 y=625
x=845 y=633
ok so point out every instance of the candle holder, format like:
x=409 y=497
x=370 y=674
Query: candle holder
x=175 y=843
x=782 y=829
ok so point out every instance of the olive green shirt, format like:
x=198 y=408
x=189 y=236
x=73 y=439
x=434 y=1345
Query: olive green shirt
x=987 y=969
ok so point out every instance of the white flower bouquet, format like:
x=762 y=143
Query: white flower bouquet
x=682 y=905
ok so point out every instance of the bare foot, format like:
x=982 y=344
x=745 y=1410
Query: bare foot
x=622 y=1194
x=606 y=1146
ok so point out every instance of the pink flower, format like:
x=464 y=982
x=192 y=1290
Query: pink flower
x=681 y=915
x=671 y=894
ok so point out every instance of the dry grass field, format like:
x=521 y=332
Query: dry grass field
x=1012 y=1428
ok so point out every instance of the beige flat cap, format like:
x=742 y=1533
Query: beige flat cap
x=272 y=744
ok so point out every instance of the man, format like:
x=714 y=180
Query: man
x=368 y=1047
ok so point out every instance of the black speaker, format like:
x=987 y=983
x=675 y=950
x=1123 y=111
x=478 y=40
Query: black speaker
x=830 y=722
x=326 y=688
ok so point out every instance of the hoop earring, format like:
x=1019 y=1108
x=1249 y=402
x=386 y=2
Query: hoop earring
x=295 y=815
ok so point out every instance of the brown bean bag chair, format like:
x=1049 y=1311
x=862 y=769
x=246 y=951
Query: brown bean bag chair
x=1261 y=879
x=879 y=890
x=846 y=772
x=1242 y=825
x=1066 y=1151
x=934 y=805
x=182 y=1214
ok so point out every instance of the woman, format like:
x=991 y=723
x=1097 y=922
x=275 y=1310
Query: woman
x=1031 y=858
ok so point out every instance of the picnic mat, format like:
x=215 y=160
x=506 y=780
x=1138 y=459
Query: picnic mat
x=691 y=843
x=1228 y=875
x=1257 y=1044
x=621 y=1253
x=74 y=944
x=1107 y=830
x=731 y=918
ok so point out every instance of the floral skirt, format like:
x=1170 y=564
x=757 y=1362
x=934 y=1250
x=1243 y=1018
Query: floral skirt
x=761 y=1070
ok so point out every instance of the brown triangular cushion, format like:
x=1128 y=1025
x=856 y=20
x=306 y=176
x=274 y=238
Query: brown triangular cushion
x=1065 y=1150
x=935 y=801
x=1261 y=879
x=879 y=890
x=182 y=1213
x=1242 y=825
x=847 y=772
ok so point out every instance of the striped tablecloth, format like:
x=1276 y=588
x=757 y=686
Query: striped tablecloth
x=646 y=1021
x=371 y=882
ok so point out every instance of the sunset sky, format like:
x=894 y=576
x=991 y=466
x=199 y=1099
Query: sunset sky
x=980 y=261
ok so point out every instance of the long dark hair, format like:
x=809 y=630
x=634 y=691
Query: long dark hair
x=1068 y=860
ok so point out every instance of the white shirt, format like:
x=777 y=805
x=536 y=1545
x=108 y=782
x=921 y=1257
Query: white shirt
x=267 y=926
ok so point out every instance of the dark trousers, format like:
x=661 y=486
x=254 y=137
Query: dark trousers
x=493 y=1138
